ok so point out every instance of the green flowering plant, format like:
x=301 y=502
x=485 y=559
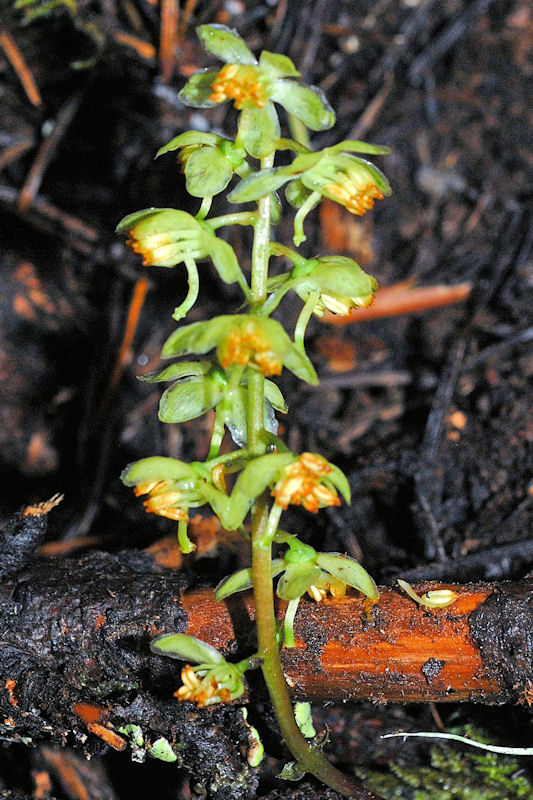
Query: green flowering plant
x=228 y=364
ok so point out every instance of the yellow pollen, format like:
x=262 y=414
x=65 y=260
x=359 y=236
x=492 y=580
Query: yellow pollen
x=246 y=344
x=356 y=200
x=240 y=83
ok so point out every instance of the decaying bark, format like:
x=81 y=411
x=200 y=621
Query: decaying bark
x=75 y=663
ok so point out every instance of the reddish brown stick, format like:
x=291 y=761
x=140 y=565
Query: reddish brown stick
x=397 y=650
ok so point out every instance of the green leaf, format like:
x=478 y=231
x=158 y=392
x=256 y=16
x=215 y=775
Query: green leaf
x=157 y=468
x=277 y=65
x=258 y=184
x=185 y=648
x=259 y=130
x=207 y=172
x=176 y=371
x=189 y=399
x=306 y=103
x=189 y=138
x=297 y=579
x=275 y=397
x=197 y=90
x=225 y=43
x=349 y=571
x=304 y=720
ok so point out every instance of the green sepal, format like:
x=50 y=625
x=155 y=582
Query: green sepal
x=198 y=337
x=242 y=580
x=189 y=398
x=157 y=468
x=296 y=193
x=225 y=43
x=306 y=103
x=185 y=648
x=201 y=337
x=349 y=571
x=259 y=130
x=258 y=184
x=276 y=65
x=223 y=256
x=130 y=221
x=340 y=481
x=354 y=146
x=207 y=172
x=275 y=397
x=188 y=139
x=258 y=474
x=176 y=371
x=297 y=579
x=198 y=90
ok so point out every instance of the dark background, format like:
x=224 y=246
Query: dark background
x=428 y=413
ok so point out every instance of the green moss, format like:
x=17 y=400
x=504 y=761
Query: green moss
x=454 y=774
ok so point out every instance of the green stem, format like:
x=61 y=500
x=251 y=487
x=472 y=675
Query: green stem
x=310 y=759
x=238 y=218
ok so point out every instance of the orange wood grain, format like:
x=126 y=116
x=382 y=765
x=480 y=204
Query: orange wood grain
x=346 y=651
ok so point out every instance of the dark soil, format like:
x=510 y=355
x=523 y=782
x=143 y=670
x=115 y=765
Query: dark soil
x=429 y=414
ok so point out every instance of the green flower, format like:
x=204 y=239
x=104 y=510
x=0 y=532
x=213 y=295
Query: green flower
x=209 y=161
x=254 y=87
x=349 y=180
x=303 y=570
x=214 y=680
x=171 y=486
x=337 y=283
x=166 y=237
x=242 y=339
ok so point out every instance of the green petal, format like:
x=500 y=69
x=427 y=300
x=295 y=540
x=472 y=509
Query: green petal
x=225 y=43
x=343 y=276
x=176 y=371
x=188 y=399
x=275 y=397
x=197 y=90
x=207 y=172
x=277 y=65
x=297 y=579
x=259 y=130
x=258 y=184
x=306 y=103
x=185 y=648
x=199 y=337
x=349 y=571
x=189 y=138
x=224 y=259
x=157 y=468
